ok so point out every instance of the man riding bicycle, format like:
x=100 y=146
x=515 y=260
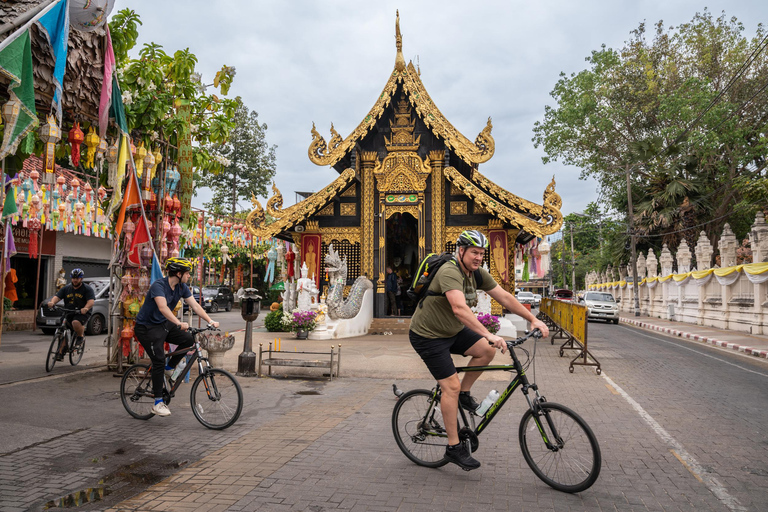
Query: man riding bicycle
x=80 y=296
x=444 y=324
x=156 y=323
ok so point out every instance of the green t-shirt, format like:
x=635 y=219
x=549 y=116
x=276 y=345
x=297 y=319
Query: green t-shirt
x=436 y=319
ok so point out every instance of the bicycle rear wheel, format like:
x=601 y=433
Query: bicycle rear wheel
x=571 y=463
x=76 y=353
x=50 y=360
x=419 y=430
x=219 y=401
x=136 y=391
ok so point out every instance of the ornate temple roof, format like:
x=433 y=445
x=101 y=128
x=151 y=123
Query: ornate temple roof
x=533 y=219
x=322 y=153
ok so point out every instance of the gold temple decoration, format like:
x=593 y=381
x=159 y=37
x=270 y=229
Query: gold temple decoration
x=403 y=208
x=367 y=161
x=275 y=203
x=495 y=224
x=456 y=191
x=479 y=209
x=322 y=153
x=331 y=234
x=289 y=217
x=313 y=226
x=452 y=233
x=402 y=170
x=550 y=212
x=327 y=211
x=438 y=200
x=458 y=207
x=348 y=209
x=350 y=192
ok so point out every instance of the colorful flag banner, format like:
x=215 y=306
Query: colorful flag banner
x=107 y=88
x=9 y=246
x=54 y=25
x=16 y=65
x=9 y=207
x=132 y=199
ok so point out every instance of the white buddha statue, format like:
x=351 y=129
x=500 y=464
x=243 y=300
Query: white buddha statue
x=305 y=290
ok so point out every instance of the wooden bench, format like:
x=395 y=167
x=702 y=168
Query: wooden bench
x=271 y=357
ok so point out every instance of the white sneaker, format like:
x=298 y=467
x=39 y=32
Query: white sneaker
x=161 y=409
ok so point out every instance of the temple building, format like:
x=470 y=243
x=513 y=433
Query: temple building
x=408 y=184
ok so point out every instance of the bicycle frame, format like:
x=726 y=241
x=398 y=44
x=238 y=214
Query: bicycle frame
x=196 y=358
x=519 y=381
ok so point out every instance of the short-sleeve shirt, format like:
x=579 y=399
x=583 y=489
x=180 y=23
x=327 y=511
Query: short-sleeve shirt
x=77 y=297
x=435 y=318
x=150 y=314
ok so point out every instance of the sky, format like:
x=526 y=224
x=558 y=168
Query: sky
x=302 y=61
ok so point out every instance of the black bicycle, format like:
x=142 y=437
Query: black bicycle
x=556 y=442
x=65 y=334
x=216 y=396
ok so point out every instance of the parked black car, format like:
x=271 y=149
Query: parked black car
x=214 y=298
x=48 y=320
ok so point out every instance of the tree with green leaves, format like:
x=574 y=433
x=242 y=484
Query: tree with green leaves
x=155 y=83
x=248 y=163
x=683 y=112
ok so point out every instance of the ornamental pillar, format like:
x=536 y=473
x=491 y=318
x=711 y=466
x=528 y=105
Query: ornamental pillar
x=438 y=200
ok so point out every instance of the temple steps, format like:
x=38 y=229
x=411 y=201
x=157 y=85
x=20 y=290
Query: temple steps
x=392 y=324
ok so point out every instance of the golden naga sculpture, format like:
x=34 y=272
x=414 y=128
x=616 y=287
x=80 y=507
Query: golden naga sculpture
x=478 y=152
x=551 y=218
x=289 y=217
x=275 y=203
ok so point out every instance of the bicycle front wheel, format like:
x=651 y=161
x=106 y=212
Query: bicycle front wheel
x=419 y=430
x=560 y=448
x=218 y=402
x=50 y=360
x=76 y=353
x=136 y=391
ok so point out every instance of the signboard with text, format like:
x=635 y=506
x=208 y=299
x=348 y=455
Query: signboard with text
x=21 y=239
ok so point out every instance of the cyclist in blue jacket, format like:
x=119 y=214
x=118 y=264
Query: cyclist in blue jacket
x=156 y=323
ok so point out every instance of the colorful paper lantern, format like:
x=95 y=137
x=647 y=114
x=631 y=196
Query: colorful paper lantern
x=92 y=144
x=50 y=135
x=76 y=138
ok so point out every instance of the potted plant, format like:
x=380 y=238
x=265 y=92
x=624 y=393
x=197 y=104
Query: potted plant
x=490 y=322
x=300 y=322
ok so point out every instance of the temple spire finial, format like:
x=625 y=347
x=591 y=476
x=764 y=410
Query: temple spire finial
x=399 y=59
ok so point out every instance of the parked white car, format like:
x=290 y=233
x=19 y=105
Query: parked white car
x=601 y=305
x=526 y=298
x=536 y=300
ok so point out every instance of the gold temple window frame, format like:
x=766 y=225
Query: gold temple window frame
x=392 y=209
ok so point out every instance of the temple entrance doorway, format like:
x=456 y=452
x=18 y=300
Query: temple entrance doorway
x=402 y=253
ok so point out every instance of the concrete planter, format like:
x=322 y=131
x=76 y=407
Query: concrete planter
x=216 y=344
x=19 y=320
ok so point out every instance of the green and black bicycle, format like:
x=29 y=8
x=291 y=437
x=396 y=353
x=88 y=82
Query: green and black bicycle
x=556 y=442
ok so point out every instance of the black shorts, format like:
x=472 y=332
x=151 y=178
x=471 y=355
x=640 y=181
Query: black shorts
x=83 y=319
x=436 y=352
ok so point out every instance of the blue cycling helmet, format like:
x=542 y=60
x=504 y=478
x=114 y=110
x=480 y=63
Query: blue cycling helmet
x=77 y=272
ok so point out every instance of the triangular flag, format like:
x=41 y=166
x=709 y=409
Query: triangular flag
x=130 y=200
x=140 y=239
x=16 y=66
x=9 y=208
x=157 y=272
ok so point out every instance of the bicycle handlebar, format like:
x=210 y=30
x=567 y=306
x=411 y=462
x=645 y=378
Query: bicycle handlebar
x=536 y=333
x=194 y=330
x=66 y=308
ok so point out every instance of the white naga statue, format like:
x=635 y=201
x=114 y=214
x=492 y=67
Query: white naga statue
x=306 y=290
x=483 y=301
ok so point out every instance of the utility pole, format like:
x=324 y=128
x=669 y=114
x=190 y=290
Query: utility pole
x=562 y=258
x=630 y=215
x=573 y=261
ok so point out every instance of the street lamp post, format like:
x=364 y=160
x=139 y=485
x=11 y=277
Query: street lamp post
x=573 y=261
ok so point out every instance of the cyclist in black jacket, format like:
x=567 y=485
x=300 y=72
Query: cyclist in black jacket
x=81 y=296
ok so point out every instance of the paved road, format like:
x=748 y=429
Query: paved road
x=681 y=426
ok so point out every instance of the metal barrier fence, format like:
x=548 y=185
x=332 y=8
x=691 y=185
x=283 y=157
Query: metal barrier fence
x=568 y=320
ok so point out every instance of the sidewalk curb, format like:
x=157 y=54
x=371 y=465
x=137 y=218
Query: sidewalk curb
x=697 y=337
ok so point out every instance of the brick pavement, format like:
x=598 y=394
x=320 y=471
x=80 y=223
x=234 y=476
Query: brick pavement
x=337 y=453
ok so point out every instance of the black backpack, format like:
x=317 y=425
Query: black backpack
x=426 y=272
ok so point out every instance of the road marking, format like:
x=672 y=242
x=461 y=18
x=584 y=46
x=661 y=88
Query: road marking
x=612 y=389
x=679 y=345
x=712 y=483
